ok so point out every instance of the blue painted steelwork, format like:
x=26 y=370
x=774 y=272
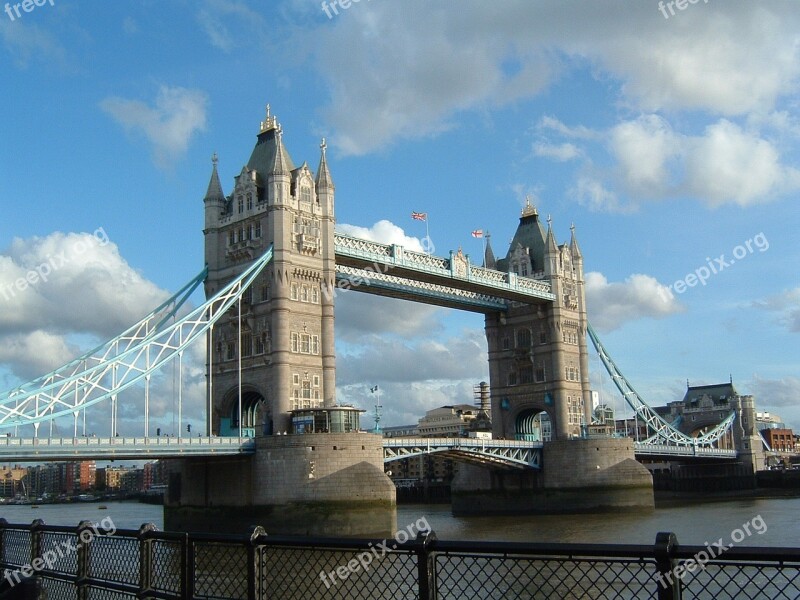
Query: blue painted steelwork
x=146 y=327
x=455 y=272
x=663 y=433
x=68 y=395
x=508 y=453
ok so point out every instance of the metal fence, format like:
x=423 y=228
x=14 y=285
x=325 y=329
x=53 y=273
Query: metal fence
x=88 y=563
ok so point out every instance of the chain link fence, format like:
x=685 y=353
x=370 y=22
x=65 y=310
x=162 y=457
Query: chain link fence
x=65 y=563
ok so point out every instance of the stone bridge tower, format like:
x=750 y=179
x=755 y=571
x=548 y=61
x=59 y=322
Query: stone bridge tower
x=538 y=357
x=286 y=344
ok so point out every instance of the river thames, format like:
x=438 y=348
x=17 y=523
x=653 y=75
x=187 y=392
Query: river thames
x=772 y=522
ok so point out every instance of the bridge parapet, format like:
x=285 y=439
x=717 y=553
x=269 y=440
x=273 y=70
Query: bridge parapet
x=87 y=448
x=666 y=449
x=505 y=453
x=452 y=271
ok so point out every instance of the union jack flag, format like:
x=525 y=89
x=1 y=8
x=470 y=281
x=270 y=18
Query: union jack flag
x=478 y=233
x=419 y=216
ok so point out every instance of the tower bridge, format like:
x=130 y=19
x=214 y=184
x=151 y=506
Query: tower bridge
x=274 y=264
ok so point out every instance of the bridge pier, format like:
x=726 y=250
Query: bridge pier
x=306 y=484
x=581 y=475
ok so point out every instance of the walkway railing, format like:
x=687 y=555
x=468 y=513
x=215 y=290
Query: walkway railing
x=84 y=448
x=89 y=562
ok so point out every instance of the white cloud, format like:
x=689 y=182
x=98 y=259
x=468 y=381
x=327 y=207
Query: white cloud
x=593 y=194
x=27 y=43
x=130 y=26
x=727 y=164
x=178 y=114
x=62 y=285
x=578 y=132
x=404 y=403
x=359 y=314
x=787 y=306
x=611 y=305
x=384 y=232
x=403 y=70
x=776 y=392
x=561 y=152
x=724 y=165
x=212 y=17
x=642 y=148
x=423 y=360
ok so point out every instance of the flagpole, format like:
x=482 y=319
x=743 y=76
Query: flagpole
x=427 y=235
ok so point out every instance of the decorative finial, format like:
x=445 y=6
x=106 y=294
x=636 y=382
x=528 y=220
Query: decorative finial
x=549 y=220
x=214 y=159
x=279 y=131
x=269 y=121
x=529 y=209
x=323 y=145
x=572 y=227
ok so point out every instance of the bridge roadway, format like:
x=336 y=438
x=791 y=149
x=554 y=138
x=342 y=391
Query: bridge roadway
x=505 y=453
x=392 y=270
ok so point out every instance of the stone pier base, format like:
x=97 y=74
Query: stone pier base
x=584 y=475
x=305 y=484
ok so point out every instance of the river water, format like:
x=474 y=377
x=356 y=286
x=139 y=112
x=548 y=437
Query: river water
x=694 y=524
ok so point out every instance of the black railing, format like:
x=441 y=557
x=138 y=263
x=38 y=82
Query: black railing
x=89 y=562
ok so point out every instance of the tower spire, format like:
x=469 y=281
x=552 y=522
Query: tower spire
x=550 y=242
x=573 y=243
x=324 y=179
x=214 y=186
x=279 y=166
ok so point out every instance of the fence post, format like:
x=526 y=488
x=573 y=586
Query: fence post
x=426 y=567
x=145 y=559
x=3 y=527
x=669 y=586
x=85 y=535
x=187 y=567
x=36 y=540
x=254 y=563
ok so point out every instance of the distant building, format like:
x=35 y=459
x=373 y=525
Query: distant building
x=448 y=421
x=779 y=440
x=400 y=431
x=765 y=420
x=124 y=479
x=154 y=474
x=11 y=481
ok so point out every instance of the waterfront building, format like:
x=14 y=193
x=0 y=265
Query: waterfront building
x=11 y=481
x=398 y=431
x=779 y=440
x=448 y=421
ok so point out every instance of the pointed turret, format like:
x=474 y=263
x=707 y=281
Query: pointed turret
x=489 y=261
x=550 y=242
x=323 y=180
x=573 y=245
x=215 y=198
x=214 y=186
x=550 y=250
x=279 y=166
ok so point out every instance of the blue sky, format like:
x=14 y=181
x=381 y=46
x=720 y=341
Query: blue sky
x=670 y=143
